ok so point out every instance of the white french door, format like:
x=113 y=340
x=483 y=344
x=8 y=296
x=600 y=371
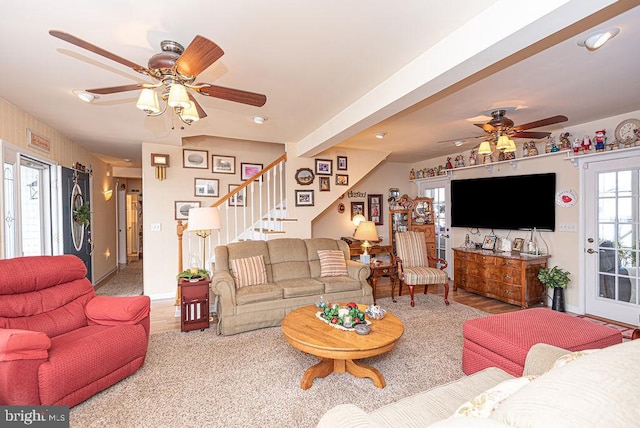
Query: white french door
x=612 y=234
x=437 y=189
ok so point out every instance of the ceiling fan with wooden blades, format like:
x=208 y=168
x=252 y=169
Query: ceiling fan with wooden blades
x=175 y=70
x=502 y=125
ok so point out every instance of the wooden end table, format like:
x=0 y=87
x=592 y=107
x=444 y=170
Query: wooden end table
x=338 y=349
x=194 y=306
x=379 y=270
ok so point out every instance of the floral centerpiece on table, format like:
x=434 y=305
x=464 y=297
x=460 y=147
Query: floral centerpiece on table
x=341 y=316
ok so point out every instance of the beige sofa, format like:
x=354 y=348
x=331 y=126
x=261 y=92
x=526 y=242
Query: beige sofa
x=599 y=389
x=293 y=280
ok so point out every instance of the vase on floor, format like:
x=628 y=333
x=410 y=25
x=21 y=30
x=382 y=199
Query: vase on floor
x=558 y=299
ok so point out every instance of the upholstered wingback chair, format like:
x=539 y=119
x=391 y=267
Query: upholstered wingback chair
x=413 y=264
x=59 y=342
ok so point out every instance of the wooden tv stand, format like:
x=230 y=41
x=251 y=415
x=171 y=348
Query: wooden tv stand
x=509 y=277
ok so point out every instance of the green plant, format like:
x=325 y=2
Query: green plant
x=82 y=215
x=554 y=277
x=187 y=274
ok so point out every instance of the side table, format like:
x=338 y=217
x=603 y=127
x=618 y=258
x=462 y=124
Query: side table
x=378 y=270
x=194 y=306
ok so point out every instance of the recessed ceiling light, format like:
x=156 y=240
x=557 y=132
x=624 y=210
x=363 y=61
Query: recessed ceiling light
x=126 y=159
x=259 y=119
x=458 y=143
x=85 y=96
x=595 y=40
x=380 y=135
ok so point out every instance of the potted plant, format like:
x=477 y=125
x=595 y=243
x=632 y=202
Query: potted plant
x=558 y=279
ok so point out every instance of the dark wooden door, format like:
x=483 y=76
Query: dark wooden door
x=76 y=236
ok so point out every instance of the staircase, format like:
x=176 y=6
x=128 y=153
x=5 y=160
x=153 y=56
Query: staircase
x=255 y=210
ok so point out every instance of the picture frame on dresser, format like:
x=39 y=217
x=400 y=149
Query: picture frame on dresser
x=517 y=245
x=489 y=242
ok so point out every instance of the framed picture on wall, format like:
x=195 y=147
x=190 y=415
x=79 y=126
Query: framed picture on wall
x=248 y=170
x=183 y=207
x=324 y=167
x=342 y=163
x=357 y=208
x=375 y=209
x=325 y=184
x=195 y=159
x=223 y=164
x=207 y=187
x=342 y=180
x=239 y=199
x=304 y=198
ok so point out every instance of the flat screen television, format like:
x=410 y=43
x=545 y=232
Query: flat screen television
x=513 y=202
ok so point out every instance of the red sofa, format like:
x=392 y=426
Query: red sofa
x=59 y=342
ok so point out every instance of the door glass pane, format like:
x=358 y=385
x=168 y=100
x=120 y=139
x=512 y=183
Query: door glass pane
x=31 y=211
x=618 y=235
x=9 y=212
x=607 y=184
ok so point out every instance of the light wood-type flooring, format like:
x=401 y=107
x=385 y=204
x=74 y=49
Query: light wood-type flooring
x=163 y=311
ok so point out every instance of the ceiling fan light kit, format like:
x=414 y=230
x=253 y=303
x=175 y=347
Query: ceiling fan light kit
x=485 y=148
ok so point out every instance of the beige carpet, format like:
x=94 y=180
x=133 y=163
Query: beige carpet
x=127 y=282
x=198 y=379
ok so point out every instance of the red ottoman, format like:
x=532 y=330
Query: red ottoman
x=504 y=340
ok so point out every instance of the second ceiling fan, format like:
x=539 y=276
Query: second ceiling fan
x=502 y=125
x=175 y=70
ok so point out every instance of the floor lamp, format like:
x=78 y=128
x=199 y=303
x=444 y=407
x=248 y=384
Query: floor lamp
x=202 y=221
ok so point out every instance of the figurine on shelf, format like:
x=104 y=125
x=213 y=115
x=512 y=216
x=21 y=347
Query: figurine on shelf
x=586 y=143
x=565 y=144
x=472 y=157
x=548 y=146
x=460 y=161
x=448 y=165
x=600 y=140
x=509 y=155
x=533 y=150
x=577 y=145
x=412 y=174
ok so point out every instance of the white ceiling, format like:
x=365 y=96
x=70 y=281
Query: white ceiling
x=334 y=72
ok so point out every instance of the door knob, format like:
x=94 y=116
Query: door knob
x=591 y=251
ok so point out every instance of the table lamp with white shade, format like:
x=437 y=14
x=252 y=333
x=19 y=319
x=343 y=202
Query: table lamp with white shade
x=366 y=231
x=202 y=221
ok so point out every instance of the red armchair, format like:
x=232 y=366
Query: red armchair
x=59 y=342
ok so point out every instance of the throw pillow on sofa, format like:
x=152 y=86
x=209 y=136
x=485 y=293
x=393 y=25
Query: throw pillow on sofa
x=332 y=263
x=249 y=271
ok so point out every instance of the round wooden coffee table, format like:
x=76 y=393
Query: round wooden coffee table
x=337 y=349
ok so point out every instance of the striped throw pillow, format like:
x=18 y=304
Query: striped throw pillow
x=249 y=271
x=332 y=263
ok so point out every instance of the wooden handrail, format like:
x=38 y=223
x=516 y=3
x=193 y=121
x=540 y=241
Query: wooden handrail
x=251 y=180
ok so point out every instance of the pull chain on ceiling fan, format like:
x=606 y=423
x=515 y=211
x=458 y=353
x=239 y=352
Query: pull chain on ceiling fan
x=175 y=69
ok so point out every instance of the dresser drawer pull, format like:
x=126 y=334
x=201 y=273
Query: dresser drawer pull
x=507 y=276
x=507 y=291
x=386 y=270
